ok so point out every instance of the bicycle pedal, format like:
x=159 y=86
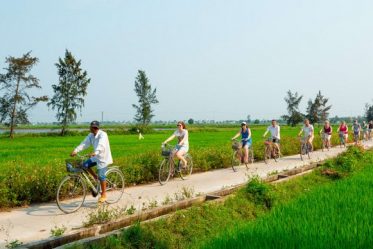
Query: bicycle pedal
x=94 y=193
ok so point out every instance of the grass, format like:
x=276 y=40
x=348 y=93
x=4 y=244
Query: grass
x=315 y=206
x=332 y=216
x=31 y=167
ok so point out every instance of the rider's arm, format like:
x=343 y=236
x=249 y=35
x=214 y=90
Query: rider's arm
x=300 y=133
x=237 y=135
x=265 y=133
x=169 y=139
x=82 y=146
x=249 y=136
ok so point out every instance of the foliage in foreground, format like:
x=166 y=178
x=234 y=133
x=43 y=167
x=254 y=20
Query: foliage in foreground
x=189 y=228
x=332 y=216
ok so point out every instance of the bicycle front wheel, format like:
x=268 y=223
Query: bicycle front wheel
x=186 y=171
x=276 y=153
x=267 y=154
x=303 y=151
x=114 y=185
x=164 y=171
x=236 y=160
x=71 y=194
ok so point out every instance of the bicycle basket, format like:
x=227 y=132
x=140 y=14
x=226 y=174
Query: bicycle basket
x=73 y=165
x=236 y=145
x=166 y=152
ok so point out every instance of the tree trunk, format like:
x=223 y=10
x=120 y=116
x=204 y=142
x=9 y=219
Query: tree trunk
x=14 y=113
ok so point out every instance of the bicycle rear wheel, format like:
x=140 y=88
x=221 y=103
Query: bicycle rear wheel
x=236 y=160
x=276 y=153
x=114 y=185
x=186 y=171
x=164 y=171
x=71 y=194
x=251 y=155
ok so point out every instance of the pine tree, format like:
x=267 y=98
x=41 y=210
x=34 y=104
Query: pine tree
x=70 y=91
x=294 y=115
x=318 y=110
x=16 y=84
x=147 y=97
x=369 y=112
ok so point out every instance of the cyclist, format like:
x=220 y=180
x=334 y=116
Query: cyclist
x=274 y=129
x=101 y=157
x=326 y=133
x=365 y=128
x=182 y=146
x=308 y=133
x=246 y=140
x=356 y=127
x=343 y=131
x=370 y=129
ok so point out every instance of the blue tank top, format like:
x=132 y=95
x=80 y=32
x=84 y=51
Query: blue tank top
x=245 y=134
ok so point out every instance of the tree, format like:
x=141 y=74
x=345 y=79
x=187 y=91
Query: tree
x=369 y=112
x=147 y=97
x=70 y=91
x=256 y=121
x=248 y=119
x=190 y=121
x=318 y=110
x=294 y=115
x=16 y=83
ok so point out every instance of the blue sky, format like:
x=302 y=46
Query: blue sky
x=208 y=59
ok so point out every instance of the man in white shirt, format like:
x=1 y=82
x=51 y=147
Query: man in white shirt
x=274 y=129
x=101 y=156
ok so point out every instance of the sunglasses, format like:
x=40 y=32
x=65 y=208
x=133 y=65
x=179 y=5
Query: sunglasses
x=178 y=125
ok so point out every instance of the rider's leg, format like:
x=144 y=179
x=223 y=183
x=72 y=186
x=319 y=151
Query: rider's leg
x=277 y=146
x=246 y=154
x=88 y=164
x=180 y=155
x=310 y=139
x=102 y=177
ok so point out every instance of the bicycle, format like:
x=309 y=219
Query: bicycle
x=271 y=150
x=167 y=167
x=356 y=138
x=238 y=155
x=325 y=142
x=305 y=149
x=342 y=141
x=72 y=190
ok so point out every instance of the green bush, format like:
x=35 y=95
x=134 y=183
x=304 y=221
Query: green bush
x=260 y=193
x=137 y=238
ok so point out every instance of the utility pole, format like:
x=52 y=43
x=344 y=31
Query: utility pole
x=102 y=117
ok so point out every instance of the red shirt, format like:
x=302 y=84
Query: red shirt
x=343 y=128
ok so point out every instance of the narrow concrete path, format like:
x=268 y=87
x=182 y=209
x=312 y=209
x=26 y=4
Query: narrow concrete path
x=35 y=222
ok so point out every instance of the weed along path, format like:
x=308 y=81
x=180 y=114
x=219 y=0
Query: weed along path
x=37 y=221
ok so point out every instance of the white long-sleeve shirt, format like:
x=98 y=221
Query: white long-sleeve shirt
x=101 y=147
x=275 y=131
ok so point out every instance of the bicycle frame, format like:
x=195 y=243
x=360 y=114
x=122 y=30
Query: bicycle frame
x=88 y=180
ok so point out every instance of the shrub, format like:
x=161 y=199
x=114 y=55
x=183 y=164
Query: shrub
x=260 y=193
x=136 y=237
